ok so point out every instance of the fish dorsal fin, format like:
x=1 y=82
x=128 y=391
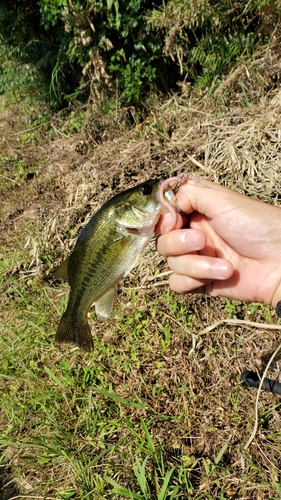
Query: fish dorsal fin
x=62 y=271
x=103 y=306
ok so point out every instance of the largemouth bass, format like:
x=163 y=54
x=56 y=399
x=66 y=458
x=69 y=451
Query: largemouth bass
x=106 y=251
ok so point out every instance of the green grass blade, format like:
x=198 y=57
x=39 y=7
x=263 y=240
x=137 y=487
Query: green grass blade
x=174 y=493
x=116 y=398
x=139 y=471
x=54 y=377
x=163 y=491
x=148 y=437
x=220 y=454
x=123 y=491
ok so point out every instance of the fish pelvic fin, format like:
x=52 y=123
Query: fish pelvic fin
x=74 y=333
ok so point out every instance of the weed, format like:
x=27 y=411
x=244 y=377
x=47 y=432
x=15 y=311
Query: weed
x=232 y=308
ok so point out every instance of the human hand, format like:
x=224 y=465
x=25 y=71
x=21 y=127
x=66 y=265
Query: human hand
x=231 y=245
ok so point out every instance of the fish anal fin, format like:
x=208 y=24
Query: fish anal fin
x=62 y=271
x=103 y=306
x=79 y=334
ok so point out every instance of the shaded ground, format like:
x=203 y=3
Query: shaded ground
x=153 y=348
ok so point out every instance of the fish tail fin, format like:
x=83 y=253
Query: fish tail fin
x=70 y=332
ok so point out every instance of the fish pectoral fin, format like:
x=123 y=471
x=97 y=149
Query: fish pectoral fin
x=103 y=306
x=62 y=271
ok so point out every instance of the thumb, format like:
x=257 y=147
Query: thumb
x=206 y=197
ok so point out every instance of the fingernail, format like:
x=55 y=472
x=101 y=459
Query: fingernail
x=193 y=239
x=220 y=269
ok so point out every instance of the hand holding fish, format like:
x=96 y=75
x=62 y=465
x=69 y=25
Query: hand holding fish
x=229 y=244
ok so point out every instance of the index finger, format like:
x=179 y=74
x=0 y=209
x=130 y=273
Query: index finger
x=180 y=242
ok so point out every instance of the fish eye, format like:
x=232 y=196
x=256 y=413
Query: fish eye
x=146 y=189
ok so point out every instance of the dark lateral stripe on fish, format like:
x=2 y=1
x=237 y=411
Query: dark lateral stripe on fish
x=79 y=294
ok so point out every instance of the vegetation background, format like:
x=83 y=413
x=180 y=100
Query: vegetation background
x=95 y=97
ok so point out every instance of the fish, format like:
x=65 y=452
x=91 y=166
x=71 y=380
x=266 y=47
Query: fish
x=106 y=250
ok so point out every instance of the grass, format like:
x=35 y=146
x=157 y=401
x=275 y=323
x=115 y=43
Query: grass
x=121 y=422
x=157 y=411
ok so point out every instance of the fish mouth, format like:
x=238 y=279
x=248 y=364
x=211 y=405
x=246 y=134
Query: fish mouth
x=167 y=192
x=167 y=197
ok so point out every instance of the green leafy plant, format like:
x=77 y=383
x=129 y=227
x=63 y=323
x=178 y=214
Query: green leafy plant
x=126 y=50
